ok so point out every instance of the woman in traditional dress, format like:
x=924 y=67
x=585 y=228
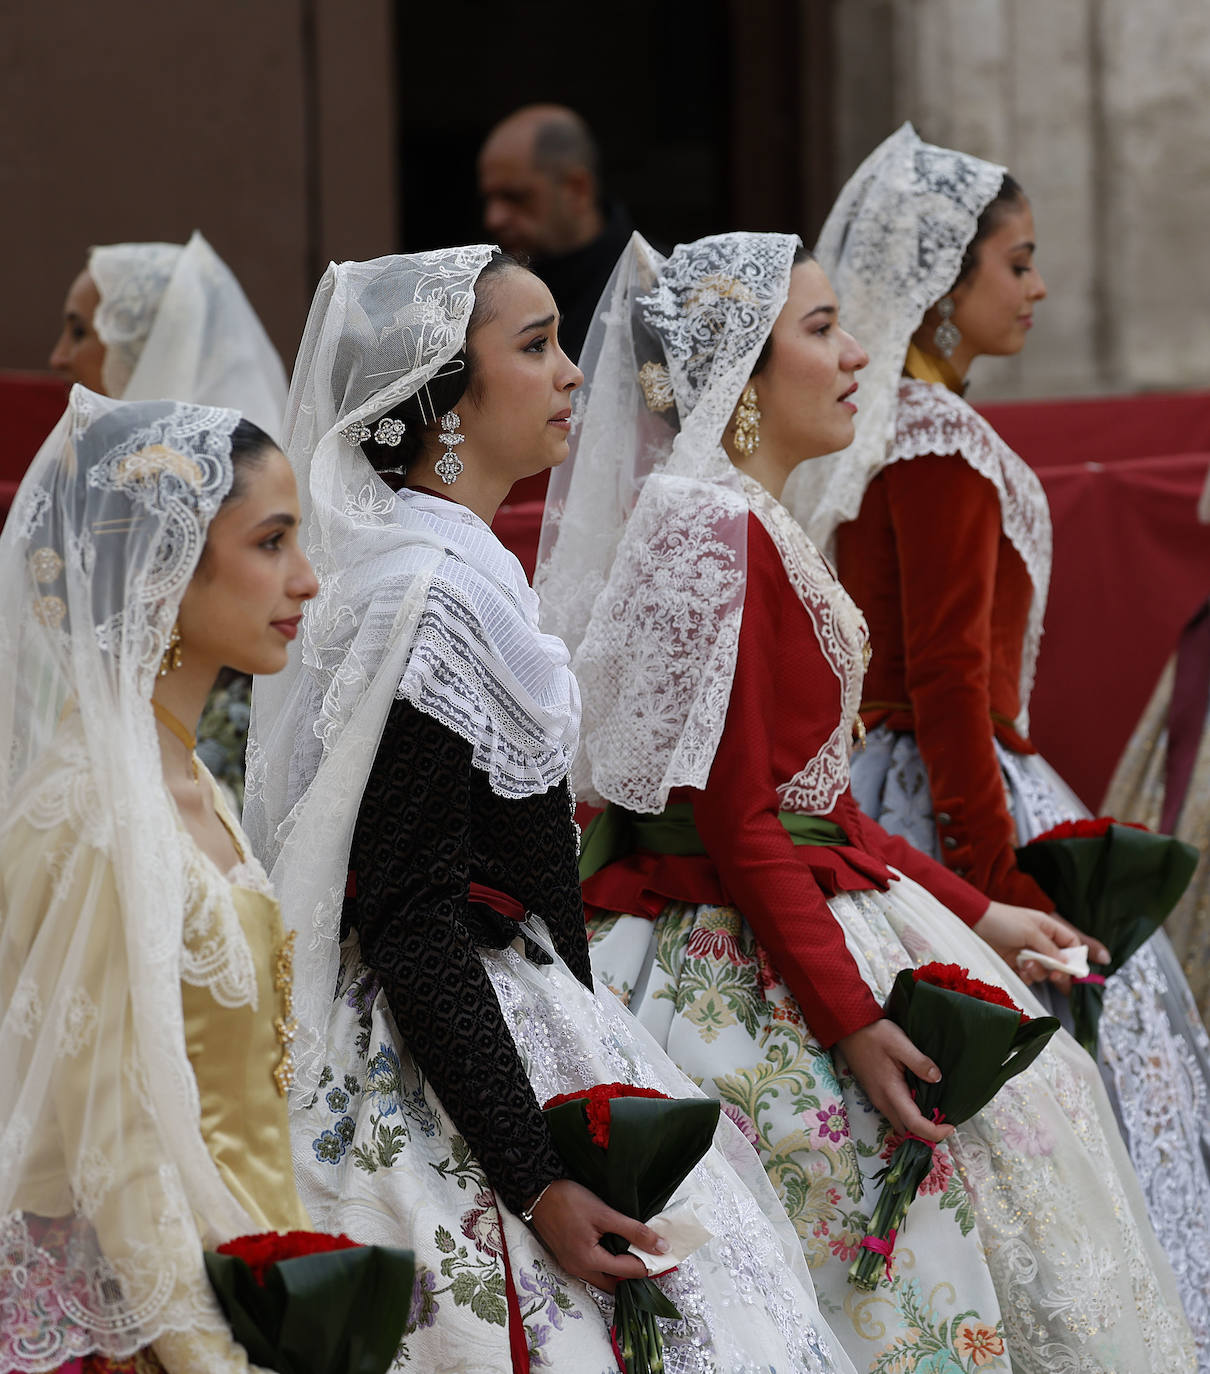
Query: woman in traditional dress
x=412 y=771
x=752 y=916
x=144 y=968
x=1163 y=781
x=942 y=535
x=169 y=321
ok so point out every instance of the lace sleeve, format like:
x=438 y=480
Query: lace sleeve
x=410 y=856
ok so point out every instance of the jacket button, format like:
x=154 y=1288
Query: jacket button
x=950 y=842
x=943 y=818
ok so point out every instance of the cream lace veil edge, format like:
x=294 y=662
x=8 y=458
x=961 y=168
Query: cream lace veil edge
x=643 y=553
x=107 y=1190
x=176 y=324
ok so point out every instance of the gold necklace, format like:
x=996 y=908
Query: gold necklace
x=166 y=718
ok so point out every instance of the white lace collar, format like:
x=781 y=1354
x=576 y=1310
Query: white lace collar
x=478 y=661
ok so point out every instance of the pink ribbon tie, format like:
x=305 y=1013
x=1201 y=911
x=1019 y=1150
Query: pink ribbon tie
x=886 y=1248
x=1096 y=979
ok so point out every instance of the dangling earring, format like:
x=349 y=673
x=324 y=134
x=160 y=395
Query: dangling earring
x=449 y=465
x=747 y=422
x=171 y=659
x=947 y=336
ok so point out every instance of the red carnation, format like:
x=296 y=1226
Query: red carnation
x=1091 y=829
x=957 y=979
x=261 y=1251
x=596 y=1105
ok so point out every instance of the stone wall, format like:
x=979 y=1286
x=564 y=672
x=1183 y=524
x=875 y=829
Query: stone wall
x=1099 y=108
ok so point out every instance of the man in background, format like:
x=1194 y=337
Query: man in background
x=540 y=179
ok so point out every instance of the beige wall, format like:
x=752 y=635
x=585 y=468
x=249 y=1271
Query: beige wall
x=1099 y=108
x=139 y=120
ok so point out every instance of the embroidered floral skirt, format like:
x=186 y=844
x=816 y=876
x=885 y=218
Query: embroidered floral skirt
x=1153 y=1049
x=1022 y=1250
x=377 y=1157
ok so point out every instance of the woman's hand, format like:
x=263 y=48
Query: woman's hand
x=1011 y=929
x=878 y=1054
x=570 y=1220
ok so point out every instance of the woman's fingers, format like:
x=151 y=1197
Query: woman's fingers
x=636 y=1232
x=1096 y=950
x=920 y=1064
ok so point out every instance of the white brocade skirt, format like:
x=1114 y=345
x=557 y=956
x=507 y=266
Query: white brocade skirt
x=1027 y=1247
x=377 y=1156
x=1154 y=1052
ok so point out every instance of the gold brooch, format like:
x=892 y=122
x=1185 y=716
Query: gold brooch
x=657 y=387
x=155 y=461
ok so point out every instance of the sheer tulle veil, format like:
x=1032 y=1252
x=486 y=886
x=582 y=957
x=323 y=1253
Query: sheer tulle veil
x=176 y=324
x=107 y=1190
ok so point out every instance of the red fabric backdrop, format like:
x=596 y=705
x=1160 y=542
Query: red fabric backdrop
x=1132 y=563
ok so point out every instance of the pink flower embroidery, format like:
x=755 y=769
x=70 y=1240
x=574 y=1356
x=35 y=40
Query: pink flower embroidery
x=482 y=1225
x=743 y=1121
x=829 y=1123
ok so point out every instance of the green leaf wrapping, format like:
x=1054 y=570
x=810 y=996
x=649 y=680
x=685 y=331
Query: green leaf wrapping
x=1119 y=888
x=336 y=1312
x=978 y=1046
x=654 y=1144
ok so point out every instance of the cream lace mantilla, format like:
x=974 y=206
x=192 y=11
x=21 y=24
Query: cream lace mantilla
x=931 y=419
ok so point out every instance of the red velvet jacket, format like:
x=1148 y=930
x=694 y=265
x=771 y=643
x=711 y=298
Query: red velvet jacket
x=783 y=707
x=946 y=598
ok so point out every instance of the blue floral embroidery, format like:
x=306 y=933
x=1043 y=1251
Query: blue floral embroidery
x=383 y=1080
x=330 y=1147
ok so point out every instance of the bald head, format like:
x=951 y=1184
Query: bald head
x=539 y=176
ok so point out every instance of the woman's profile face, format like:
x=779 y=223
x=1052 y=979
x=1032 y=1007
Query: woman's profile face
x=79 y=354
x=242 y=608
x=517 y=413
x=806 y=389
x=994 y=306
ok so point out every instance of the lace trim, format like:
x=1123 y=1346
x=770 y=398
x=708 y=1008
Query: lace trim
x=843 y=639
x=215 y=954
x=509 y=694
x=931 y=419
x=658 y=657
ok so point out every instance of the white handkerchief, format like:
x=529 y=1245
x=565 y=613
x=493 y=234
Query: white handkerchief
x=1073 y=960
x=682 y=1228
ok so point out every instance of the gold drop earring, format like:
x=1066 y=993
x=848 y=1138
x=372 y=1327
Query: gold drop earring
x=171 y=659
x=747 y=422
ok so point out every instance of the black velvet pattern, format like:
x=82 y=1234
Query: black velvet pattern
x=429 y=825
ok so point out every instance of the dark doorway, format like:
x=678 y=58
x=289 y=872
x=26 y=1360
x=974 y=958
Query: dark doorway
x=652 y=79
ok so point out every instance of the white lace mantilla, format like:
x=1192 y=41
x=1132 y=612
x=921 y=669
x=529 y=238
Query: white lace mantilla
x=843 y=639
x=932 y=419
x=658 y=658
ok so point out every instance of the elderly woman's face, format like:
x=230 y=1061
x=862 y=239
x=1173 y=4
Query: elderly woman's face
x=79 y=354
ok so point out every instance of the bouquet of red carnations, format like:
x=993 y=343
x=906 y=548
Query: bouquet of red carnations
x=633 y=1147
x=307 y=1303
x=1116 y=881
x=979 y=1039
